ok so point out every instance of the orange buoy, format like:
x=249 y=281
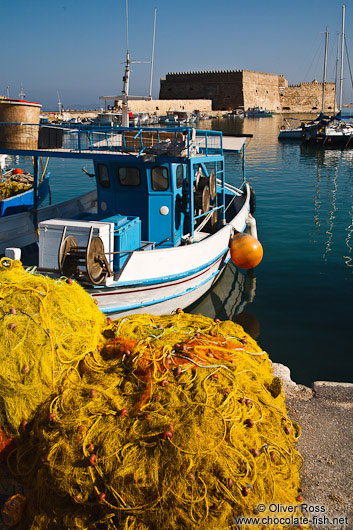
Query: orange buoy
x=245 y=251
x=17 y=171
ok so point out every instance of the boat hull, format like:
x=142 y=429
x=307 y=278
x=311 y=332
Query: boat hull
x=160 y=281
x=159 y=299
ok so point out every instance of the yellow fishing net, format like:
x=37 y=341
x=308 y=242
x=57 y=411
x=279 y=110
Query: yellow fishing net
x=177 y=423
x=9 y=189
x=46 y=327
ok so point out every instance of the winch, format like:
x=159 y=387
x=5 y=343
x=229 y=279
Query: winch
x=86 y=263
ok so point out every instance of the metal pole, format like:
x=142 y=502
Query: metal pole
x=324 y=78
x=336 y=76
x=342 y=54
x=191 y=197
x=127 y=26
x=152 y=59
x=35 y=192
x=125 y=93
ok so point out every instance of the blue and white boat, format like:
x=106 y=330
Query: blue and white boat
x=24 y=201
x=155 y=235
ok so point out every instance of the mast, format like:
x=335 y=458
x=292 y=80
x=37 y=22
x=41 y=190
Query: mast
x=336 y=75
x=342 y=54
x=125 y=93
x=324 y=78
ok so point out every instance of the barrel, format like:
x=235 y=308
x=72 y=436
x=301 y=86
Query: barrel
x=21 y=113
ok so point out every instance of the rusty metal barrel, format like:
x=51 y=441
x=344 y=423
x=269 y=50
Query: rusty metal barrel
x=19 y=124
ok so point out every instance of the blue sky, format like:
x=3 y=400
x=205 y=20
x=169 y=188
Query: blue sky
x=77 y=47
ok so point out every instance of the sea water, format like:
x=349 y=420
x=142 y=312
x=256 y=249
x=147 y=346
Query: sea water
x=298 y=302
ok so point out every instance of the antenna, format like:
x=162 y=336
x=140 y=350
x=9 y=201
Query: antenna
x=152 y=58
x=126 y=78
x=59 y=104
x=21 y=95
x=127 y=27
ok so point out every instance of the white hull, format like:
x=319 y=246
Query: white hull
x=161 y=280
x=144 y=301
x=291 y=134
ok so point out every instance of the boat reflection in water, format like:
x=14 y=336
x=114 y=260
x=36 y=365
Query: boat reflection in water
x=228 y=298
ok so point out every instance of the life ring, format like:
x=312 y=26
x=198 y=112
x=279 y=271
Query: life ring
x=282 y=128
x=252 y=201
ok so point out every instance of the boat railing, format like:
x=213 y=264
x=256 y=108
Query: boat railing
x=80 y=138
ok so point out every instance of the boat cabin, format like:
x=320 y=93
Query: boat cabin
x=156 y=188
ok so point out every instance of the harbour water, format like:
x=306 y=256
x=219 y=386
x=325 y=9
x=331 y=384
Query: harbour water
x=298 y=301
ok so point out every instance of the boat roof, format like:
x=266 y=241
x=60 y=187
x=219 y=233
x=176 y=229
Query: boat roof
x=100 y=142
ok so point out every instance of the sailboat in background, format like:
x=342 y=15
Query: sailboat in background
x=338 y=130
x=334 y=131
x=290 y=132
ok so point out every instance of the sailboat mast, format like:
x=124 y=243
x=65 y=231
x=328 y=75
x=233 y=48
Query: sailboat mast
x=324 y=78
x=336 y=75
x=342 y=54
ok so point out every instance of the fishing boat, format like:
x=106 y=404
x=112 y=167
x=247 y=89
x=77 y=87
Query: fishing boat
x=258 y=112
x=17 y=192
x=156 y=233
x=157 y=237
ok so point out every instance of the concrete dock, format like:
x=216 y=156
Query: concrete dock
x=325 y=413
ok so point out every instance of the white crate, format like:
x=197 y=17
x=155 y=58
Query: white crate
x=50 y=234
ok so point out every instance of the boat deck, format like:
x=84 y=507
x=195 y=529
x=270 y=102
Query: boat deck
x=106 y=142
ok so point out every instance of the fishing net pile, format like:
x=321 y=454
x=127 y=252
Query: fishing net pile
x=13 y=183
x=46 y=328
x=175 y=423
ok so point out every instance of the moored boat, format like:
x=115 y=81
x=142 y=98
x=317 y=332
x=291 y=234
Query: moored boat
x=159 y=236
x=17 y=192
x=258 y=112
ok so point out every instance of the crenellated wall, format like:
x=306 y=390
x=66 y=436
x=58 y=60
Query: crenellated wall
x=224 y=87
x=307 y=97
x=230 y=89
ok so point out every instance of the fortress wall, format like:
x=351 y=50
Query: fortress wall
x=162 y=106
x=307 y=97
x=262 y=90
x=223 y=87
x=246 y=89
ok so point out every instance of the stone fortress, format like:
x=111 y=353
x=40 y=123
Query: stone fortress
x=244 y=89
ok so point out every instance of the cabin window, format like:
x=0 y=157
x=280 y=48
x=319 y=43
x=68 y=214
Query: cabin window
x=129 y=176
x=159 y=178
x=179 y=176
x=103 y=176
